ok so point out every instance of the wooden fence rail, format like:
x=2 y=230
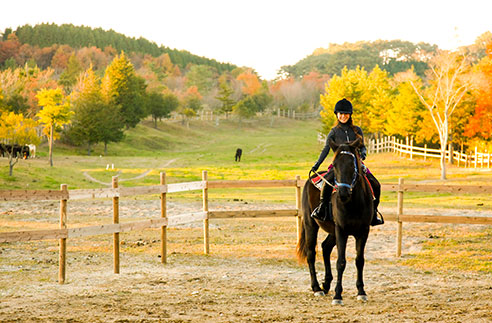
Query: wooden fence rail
x=162 y=222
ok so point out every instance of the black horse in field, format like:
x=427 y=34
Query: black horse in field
x=352 y=205
x=239 y=153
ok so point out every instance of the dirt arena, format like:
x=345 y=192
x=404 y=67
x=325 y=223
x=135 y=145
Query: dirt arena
x=251 y=275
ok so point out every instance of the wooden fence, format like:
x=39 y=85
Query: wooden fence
x=64 y=195
x=407 y=148
x=163 y=221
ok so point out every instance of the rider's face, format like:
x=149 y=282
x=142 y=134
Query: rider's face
x=343 y=117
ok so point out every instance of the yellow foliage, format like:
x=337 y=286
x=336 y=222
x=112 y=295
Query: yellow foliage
x=15 y=129
x=56 y=110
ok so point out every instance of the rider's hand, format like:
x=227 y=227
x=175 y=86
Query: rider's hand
x=314 y=168
x=363 y=155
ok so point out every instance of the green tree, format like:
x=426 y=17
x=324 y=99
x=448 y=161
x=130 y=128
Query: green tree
x=16 y=130
x=201 y=76
x=123 y=88
x=54 y=114
x=69 y=76
x=160 y=106
x=225 y=96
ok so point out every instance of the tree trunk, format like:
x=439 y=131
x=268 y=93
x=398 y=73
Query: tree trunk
x=443 y=162
x=105 y=148
x=88 y=149
x=51 y=145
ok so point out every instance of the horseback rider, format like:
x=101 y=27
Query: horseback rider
x=344 y=131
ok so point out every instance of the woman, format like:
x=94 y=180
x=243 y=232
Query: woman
x=343 y=132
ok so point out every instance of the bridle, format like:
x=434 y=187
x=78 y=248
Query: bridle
x=337 y=184
x=354 y=178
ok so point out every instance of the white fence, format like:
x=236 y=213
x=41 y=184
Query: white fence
x=407 y=148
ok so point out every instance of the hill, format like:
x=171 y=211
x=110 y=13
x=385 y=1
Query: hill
x=393 y=56
x=46 y=35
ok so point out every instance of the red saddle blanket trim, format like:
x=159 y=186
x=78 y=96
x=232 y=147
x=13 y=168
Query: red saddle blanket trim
x=318 y=181
x=370 y=187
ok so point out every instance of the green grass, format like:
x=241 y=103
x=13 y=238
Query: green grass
x=280 y=149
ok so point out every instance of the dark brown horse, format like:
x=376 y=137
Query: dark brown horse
x=352 y=213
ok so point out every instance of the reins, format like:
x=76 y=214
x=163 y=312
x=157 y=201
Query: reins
x=337 y=184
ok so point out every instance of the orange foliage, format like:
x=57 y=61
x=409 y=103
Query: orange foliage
x=480 y=124
x=60 y=59
x=251 y=83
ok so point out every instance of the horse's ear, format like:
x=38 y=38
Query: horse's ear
x=333 y=144
x=357 y=143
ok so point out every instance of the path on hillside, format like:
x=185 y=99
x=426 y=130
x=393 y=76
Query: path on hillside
x=89 y=177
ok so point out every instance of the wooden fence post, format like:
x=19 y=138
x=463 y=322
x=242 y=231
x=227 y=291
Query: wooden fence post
x=399 y=230
x=164 y=227
x=298 y=207
x=425 y=152
x=411 y=148
x=476 y=156
x=116 y=235
x=62 y=259
x=206 y=243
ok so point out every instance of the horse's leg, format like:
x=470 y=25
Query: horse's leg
x=327 y=246
x=311 y=240
x=341 y=238
x=360 y=245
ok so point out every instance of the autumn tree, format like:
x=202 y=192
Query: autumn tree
x=406 y=111
x=15 y=129
x=93 y=120
x=69 y=76
x=250 y=81
x=54 y=114
x=122 y=87
x=479 y=126
x=353 y=85
x=380 y=100
x=448 y=82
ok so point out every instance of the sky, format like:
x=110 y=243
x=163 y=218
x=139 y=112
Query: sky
x=264 y=34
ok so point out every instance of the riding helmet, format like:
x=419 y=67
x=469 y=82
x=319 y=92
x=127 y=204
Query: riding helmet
x=343 y=106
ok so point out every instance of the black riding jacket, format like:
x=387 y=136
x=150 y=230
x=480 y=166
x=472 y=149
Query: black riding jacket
x=340 y=134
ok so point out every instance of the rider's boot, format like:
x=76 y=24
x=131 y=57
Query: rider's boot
x=375 y=219
x=321 y=211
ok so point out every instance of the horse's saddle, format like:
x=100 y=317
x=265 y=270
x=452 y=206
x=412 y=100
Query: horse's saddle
x=318 y=181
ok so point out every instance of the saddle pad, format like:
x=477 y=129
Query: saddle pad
x=317 y=181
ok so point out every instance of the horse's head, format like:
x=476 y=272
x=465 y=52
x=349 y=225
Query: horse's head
x=345 y=167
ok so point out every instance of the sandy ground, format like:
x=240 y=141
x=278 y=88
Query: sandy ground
x=254 y=286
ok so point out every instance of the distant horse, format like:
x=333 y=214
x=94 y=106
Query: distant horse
x=352 y=206
x=239 y=152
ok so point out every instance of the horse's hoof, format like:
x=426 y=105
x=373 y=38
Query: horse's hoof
x=319 y=293
x=337 y=302
x=362 y=298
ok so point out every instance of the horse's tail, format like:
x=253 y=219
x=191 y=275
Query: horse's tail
x=301 y=249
